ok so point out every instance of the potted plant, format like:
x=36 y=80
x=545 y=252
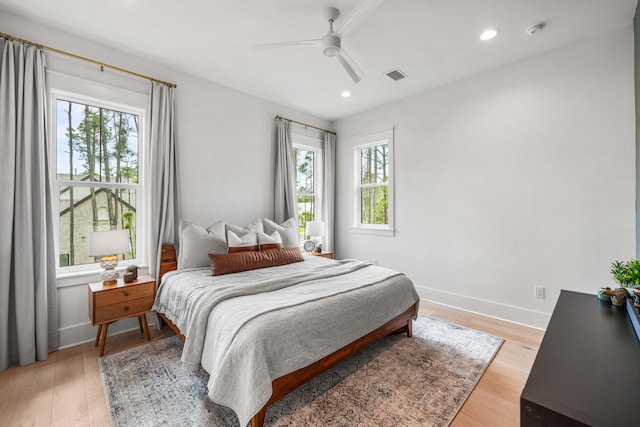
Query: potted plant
x=627 y=273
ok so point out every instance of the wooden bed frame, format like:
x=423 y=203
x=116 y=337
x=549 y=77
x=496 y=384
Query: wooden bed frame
x=287 y=383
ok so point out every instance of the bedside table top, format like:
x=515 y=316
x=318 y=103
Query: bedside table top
x=324 y=254
x=142 y=278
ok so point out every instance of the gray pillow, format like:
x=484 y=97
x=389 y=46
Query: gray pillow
x=241 y=231
x=196 y=243
x=288 y=231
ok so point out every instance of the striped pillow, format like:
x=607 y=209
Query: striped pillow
x=266 y=242
x=244 y=261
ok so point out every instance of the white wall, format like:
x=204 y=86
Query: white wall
x=519 y=176
x=225 y=143
x=522 y=175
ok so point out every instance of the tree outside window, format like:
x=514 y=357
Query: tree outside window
x=305 y=187
x=374 y=182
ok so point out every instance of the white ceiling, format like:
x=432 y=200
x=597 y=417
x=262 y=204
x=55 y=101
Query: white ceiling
x=433 y=41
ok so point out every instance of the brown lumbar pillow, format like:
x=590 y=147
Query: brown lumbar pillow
x=243 y=261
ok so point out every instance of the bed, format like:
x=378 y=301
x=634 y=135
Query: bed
x=260 y=334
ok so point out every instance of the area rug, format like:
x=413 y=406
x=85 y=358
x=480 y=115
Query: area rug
x=398 y=381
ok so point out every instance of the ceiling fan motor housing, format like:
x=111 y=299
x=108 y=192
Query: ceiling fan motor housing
x=332 y=45
x=331 y=13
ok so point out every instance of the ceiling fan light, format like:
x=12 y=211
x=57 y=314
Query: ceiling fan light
x=331 y=45
x=331 y=51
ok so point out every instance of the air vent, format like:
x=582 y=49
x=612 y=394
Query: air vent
x=396 y=74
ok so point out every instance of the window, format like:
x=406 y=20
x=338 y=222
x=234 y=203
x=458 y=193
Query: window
x=308 y=157
x=374 y=182
x=96 y=173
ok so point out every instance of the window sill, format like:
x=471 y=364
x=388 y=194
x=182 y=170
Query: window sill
x=374 y=231
x=82 y=277
x=77 y=278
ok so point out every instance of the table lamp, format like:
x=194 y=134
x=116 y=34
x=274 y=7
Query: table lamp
x=107 y=244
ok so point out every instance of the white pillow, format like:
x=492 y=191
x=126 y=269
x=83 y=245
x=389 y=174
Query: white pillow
x=245 y=243
x=241 y=231
x=288 y=231
x=274 y=241
x=196 y=243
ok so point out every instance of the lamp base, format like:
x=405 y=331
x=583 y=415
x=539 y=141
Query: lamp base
x=109 y=275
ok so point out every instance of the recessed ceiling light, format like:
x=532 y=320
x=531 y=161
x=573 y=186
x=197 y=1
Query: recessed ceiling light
x=345 y=94
x=489 y=34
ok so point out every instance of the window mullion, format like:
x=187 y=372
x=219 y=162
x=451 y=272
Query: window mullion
x=66 y=183
x=379 y=184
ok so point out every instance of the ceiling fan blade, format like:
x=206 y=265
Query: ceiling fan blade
x=313 y=42
x=357 y=14
x=350 y=66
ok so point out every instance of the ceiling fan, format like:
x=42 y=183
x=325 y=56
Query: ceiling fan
x=332 y=41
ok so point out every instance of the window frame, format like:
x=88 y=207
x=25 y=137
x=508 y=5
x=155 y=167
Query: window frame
x=364 y=141
x=313 y=144
x=77 y=90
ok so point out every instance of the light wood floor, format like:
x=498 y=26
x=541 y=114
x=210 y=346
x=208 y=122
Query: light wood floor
x=495 y=402
x=66 y=390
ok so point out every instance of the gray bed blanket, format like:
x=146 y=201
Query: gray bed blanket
x=247 y=329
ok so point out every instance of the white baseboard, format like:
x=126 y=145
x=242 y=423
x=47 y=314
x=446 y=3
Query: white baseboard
x=86 y=332
x=509 y=313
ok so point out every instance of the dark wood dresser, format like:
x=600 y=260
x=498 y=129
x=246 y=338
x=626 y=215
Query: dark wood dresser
x=587 y=371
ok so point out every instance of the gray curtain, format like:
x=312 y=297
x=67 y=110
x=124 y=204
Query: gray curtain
x=285 y=182
x=329 y=187
x=28 y=300
x=162 y=180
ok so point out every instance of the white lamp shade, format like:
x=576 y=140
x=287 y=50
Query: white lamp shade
x=315 y=228
x=110 y=242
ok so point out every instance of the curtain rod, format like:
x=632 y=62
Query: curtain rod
x=304 y=124
x=82 y=58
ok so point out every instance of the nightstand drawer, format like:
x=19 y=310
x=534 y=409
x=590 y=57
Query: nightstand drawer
x=126 y=294
x=123 y=309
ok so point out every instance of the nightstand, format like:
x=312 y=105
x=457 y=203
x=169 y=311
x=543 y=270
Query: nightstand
x=324 y=254
x=108 y=304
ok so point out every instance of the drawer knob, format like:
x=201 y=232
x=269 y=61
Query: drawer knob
x=126 y=294
x=126 y=309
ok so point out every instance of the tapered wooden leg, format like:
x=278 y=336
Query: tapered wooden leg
x=409 y=327
x=104 y=338
x=143 y=319
x=258 y=419
x=98 y=335
x=140 y=324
